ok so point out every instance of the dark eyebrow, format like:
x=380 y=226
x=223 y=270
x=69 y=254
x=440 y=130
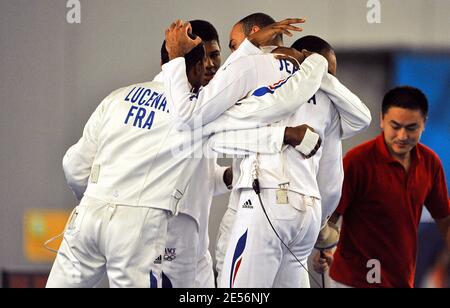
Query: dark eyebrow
x=407 y=126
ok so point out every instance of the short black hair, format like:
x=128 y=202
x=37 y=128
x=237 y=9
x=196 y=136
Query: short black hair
x=257 y=19
x=192 y=58
x=164 y=53
x=205 y=30
x=406 y=97
x=312 y=43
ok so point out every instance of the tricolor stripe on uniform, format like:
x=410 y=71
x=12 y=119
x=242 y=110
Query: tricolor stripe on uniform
x=237 y=258
x=270 y=89
x=153 y=281
x=165 y=284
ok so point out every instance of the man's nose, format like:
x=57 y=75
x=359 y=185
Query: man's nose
x=402 y=134
x=209 y=62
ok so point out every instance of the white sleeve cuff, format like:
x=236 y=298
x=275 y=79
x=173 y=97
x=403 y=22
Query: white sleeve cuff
x=308 y=143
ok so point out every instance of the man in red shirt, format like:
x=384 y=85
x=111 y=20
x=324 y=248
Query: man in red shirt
x=387 y=182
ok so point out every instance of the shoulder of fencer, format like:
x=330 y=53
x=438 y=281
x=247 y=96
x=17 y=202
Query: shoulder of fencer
x=154 y=85
x=320 y=105
x=266 y=57
x=319 y=113
x=253 y=60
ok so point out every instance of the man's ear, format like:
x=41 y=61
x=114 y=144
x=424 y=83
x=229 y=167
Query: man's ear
x=381 y=121
x=425 y=123
x=255 y=29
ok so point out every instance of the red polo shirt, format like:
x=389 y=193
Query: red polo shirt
x=381 y=205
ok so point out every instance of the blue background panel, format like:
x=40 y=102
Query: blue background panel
x=431 y=74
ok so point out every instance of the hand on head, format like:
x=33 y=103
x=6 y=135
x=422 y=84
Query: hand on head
x=267 y=35
x=178 y=41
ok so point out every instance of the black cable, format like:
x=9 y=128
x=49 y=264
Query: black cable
x=257 y=190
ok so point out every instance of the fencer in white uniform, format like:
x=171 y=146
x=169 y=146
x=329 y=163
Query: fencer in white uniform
x=354 y=117
x=287 y=181
x=292 y=199
x=312 y=72
x=135 y=184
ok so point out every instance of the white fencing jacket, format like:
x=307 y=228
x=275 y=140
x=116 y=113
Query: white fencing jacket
x=132 y=154
x=243 y=72
x=233 y=82
x=322 y=175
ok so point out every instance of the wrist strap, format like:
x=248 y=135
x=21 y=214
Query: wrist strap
x=308 y=143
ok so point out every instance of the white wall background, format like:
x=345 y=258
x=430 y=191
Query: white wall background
x=53 y=75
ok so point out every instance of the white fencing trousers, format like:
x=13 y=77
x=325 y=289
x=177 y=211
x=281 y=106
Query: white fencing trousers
x=180 y=258
x=223 y=239
x=182 y=266
x=205 y=274
x=121 y=241
x=255 y=256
